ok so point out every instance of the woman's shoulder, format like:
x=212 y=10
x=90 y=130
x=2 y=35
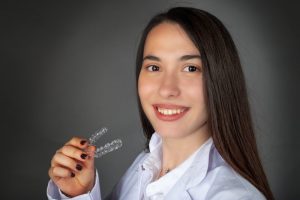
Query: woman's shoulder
x=221 y=181
x=225 y=183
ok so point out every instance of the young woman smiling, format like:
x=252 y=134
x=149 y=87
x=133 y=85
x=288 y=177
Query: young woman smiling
x=195 y=114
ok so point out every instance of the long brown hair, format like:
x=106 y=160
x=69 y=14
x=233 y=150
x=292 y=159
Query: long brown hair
x=229 y=117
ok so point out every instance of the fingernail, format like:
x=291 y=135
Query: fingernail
x=83 y=156
x=78 y=167
x=82 y=142
x=72 y=174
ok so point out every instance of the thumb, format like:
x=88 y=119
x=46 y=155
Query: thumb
x=91 y=160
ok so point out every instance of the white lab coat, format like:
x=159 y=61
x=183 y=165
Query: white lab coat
x=209 y=177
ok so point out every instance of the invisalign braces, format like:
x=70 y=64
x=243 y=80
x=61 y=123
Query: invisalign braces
x=108 y=147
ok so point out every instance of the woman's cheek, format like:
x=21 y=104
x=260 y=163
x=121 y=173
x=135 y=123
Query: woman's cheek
x=145 y=88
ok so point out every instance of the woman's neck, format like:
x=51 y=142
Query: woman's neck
x=177 y=150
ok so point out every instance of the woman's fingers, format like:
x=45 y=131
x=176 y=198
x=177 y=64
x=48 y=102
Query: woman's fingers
x=76 y=156
x=59 y=159
x=60 y=172
x=74 y=152
x=90 y=160
x=72 y=167
x=78 y=142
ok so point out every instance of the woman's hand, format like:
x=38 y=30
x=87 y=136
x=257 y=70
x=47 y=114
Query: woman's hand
x=72 y=168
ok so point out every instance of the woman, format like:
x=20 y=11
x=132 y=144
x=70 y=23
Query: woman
x=195 y=115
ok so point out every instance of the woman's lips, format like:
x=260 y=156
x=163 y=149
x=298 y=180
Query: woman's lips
x=169 y=112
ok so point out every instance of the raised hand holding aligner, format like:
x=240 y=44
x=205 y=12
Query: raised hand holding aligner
x=108 y=147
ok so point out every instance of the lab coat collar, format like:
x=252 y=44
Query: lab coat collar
x=199 y=166
x=153 y=162
x=155 y=142
x=196 y=173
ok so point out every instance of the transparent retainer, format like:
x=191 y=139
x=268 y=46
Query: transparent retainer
x=108 y=147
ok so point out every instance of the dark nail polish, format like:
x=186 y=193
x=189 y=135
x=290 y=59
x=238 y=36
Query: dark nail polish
x=82 y=142
x=78 y=167
x=83 y=156
x=72 y=174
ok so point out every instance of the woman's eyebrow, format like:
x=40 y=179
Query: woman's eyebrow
x=182 y=58
x=151 y=57
x=189 y=57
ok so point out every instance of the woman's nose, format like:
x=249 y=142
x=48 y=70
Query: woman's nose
x=169 y=86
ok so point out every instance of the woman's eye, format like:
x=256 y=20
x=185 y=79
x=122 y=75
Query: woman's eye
x=191 y=68
x=152 y=68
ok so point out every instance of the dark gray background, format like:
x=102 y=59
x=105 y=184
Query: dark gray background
x=67 y=68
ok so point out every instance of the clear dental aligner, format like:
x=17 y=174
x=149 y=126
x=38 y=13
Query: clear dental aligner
x=99 y=133
x=108 y=147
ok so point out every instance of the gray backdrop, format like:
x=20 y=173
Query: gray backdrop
x=67 y=68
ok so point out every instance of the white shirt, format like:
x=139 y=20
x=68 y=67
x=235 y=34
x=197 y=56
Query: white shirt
x=203 y=176
x=158 y=189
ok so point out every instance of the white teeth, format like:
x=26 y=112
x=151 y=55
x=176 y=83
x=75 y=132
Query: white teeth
x=169 y=111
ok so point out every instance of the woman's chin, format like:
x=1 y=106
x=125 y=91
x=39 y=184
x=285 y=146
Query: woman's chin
x=170 y=134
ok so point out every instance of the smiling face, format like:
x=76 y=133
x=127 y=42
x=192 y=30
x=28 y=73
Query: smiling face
x=170 y=83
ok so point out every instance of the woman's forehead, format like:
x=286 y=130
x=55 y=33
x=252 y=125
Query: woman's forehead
x=169 y=38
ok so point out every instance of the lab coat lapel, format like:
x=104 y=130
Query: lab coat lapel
x=194 y=175
x=197 y=172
